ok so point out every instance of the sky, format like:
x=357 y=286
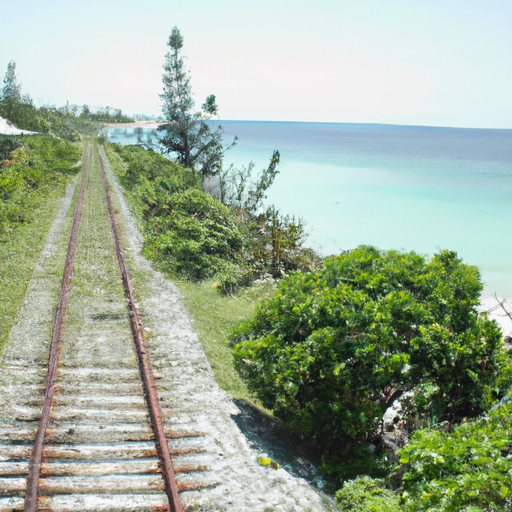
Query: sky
x=414 y=62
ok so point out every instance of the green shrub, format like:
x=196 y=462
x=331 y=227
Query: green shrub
x=366 y=494
x=274 y=244
x=65 y=124
x=233 y=277
x=141 y=165
x=471 y=466
x=34 y=163
x=8 y=144
x=465 y=468
x=52 y=155
x=195 y=237
x=334 y=348
x=186 y=231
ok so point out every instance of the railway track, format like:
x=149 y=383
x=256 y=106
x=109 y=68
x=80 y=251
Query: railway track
x=89 y=432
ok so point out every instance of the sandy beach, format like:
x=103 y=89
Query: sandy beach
x=136 y=124
x=7 y=128
x=489 y=304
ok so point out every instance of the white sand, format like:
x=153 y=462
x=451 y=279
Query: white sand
x=489 y=304
x=7 y=128
x=136 y=124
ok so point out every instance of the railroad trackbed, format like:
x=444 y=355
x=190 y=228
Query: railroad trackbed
x=85 y=423
x=107 y=400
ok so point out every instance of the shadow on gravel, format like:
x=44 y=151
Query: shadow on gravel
x=268 y=437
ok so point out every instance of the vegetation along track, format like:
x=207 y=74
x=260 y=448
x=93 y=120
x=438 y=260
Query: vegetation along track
x=100 y=441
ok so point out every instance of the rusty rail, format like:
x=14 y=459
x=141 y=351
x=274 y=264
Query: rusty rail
x=32 y=492
x=146 y=371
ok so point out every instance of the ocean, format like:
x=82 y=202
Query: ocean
x=395 y=187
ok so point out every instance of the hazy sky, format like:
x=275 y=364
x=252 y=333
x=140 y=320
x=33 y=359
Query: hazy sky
x=424 y=62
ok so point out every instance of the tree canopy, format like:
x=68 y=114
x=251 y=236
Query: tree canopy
x=335 y=348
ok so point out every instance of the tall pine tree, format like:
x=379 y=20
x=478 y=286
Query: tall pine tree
x=186 y=134
x=11 y=94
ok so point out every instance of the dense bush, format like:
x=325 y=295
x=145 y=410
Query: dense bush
x=103 y=115
x=52 y=155
x=335 y=348
x=187 y=231
x=19 y=109
x=190 y=233
x=365 y=494
x=467 y=469
x=8 y=143
x=471 y=466
x=33 y=164
x=195 y=237
x=25 y=115
x=64 y=124
x=136 y=165
x=275 y=244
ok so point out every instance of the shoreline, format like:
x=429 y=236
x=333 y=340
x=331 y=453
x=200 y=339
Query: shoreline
x=136 y=124
x=490 y=305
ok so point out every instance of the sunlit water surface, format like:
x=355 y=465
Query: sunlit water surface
x=410 y=188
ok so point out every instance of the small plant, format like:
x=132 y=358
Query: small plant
x=268 y=462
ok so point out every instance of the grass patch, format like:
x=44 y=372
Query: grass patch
x=19 y=253
x=214 y=315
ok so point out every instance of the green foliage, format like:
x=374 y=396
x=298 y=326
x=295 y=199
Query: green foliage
x=187 y=231
x=471 y=466
x=20 y=248
x=104 y=115
x=233 y=276
x=365 y=494
x=53 y=155
x=236 y=189
x=11 y=91
x=334 y=348
x=33 y=173
x=273 y=242
x=10 y=96
x=36 y=163
x=139 y=166
x=272 y=247
x=67 y=123
x=195 y=236
x=8 y=143
x=191 y=234
x=19 y=108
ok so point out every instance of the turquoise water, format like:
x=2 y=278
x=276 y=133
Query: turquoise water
x=411 y=188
